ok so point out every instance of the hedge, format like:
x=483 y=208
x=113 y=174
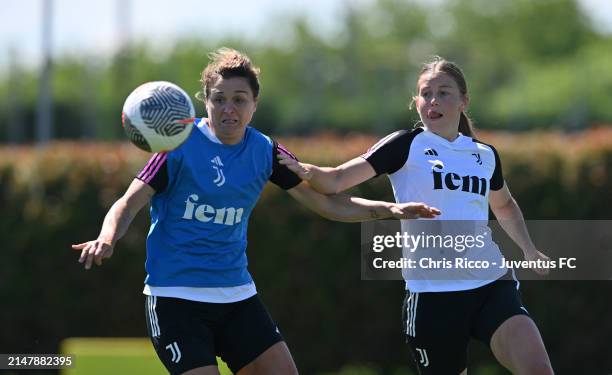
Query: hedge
x=306 y=268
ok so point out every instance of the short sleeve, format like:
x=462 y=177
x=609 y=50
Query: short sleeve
x=155 y=172
x=497 y=179
x=281 y=175
x=389 y=154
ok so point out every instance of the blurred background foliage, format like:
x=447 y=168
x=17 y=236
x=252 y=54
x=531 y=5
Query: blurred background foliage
x=307 y=269
x=529 y=64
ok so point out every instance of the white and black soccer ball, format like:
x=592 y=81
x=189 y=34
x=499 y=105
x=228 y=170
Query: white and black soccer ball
x=158 y=116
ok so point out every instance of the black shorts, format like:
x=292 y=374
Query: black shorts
x=189 y=334
x=438 y=325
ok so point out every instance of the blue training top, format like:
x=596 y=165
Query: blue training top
x=205 y=192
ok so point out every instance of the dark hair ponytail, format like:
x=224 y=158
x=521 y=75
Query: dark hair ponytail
x=465 y=125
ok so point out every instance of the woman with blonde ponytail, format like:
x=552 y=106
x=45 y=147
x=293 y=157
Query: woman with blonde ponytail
x=440 y=163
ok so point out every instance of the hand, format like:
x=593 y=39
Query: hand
x=94 y=251
x=537 y=255
x=301 y=169
x=413 y=210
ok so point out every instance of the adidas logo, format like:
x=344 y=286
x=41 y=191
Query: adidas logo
x=431 y=151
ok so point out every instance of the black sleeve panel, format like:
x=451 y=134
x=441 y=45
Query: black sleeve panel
x=281 y=175
x=497 y=180
x=155 y=173
x=391 y=152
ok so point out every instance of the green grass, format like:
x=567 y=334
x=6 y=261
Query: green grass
x=117 y=356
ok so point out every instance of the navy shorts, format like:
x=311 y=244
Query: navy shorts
x=439 y=325
x=189 y=334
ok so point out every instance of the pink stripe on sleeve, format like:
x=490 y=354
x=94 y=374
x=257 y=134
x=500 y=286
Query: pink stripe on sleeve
x=284 y=150
x=152 y=167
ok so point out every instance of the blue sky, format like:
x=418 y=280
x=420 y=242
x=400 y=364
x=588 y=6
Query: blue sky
x=92 y=27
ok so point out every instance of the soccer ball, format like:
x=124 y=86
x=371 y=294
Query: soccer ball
x=158 y=116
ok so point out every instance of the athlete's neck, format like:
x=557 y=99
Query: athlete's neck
x=231 y=139
x=448 y=134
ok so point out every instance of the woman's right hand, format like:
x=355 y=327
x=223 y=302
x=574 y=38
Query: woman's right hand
x=94 y=251
x=303 y=170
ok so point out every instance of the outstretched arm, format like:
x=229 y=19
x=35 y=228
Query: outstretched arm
x=342 y=207
x=510 y=217
x=328 y=180
x=115 y=224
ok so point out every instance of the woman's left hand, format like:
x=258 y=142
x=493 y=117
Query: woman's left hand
x=536 y=255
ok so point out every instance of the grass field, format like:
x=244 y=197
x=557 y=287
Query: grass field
x=117 y=356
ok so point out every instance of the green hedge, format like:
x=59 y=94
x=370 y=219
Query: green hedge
x=307 y=269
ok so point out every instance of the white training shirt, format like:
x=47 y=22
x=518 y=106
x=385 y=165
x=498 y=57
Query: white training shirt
x=455 y=177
